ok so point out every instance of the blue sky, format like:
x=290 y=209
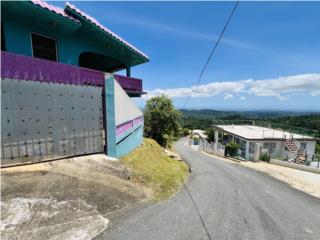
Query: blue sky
x=269 y=57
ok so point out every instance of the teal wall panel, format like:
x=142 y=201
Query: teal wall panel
x=110 y=127
x=130 y=143
x=129 y=140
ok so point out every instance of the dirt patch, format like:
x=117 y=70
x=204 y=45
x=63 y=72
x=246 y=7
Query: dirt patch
x=66 y=199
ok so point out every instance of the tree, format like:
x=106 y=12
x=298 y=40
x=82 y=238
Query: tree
x=210 y=134
x=184 y=132
x=317 y=148
x=162 y=120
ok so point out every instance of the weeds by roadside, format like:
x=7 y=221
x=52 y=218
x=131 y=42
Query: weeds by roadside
x=152 y=168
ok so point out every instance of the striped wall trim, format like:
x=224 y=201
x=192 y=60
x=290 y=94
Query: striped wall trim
x=128 y=126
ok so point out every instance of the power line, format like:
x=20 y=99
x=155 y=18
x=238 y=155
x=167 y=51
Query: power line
x=187 y=100
x=211 y=54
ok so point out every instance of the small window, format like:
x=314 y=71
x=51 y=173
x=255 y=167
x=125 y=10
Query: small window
x=44 y=47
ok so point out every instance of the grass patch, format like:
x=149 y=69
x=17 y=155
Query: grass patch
x=155 y=170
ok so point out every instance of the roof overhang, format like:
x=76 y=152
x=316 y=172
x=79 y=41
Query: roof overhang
x=72 y=20
x=127 y=53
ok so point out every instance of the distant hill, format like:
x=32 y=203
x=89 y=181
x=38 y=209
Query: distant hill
x=301 y=122
x=213 y=114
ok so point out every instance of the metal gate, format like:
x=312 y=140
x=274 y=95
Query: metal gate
x=41 y=120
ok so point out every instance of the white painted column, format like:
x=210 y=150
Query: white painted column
x=256 y=156
x=247 y=150
x=215 y=144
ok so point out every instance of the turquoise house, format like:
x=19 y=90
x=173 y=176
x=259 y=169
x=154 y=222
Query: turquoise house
x=61 y=94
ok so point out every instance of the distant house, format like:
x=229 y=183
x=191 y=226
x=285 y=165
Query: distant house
x=200 y=133
x=255 y=140
x=61 y=95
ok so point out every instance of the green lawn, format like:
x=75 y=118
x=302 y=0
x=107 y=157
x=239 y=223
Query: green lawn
x=152 y=168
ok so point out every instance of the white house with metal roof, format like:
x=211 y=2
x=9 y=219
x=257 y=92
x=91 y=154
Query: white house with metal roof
x=254 y=140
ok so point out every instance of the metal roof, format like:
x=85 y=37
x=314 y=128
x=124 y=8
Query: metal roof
x=53 y=9
x=260 y=133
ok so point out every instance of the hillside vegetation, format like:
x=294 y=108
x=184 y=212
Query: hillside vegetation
x=210 y=113
x=152 y=168
x=308 y=124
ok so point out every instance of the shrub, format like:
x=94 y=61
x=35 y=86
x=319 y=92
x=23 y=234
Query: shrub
x=265 y=157
x=232 y=148
x=317 y=147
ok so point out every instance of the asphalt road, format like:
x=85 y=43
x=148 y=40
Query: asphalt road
x=224 y=200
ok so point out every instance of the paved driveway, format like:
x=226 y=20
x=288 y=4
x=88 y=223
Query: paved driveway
x=223 y=200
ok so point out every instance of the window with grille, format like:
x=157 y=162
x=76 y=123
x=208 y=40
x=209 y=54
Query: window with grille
x=271 y=146
x=44 y=47
x=303 y=145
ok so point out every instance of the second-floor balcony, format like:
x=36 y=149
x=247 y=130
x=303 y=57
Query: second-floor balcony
x=14 y=66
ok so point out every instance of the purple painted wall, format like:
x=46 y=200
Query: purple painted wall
x=129 y=83
x=16 y=66
x=137 y=121
x=122 y=128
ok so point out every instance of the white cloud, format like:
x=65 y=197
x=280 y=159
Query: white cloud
x=228 y=96
x=207 y=90
x=279 y=87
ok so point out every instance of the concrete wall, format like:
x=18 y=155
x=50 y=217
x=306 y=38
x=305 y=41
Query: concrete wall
x=296 y=166
x=310 y=146
x=280 y=148
x=124 y=120
x=130 y=143
x=125 y=108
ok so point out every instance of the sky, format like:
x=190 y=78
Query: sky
x=268 y=59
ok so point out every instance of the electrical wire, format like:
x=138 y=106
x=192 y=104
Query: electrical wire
x=187 y=100
x=211 y=54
